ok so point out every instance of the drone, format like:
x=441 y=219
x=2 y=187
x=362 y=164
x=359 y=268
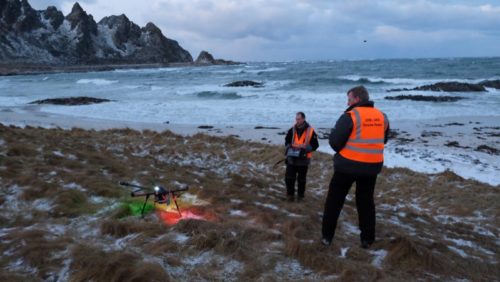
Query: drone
x=161 y=194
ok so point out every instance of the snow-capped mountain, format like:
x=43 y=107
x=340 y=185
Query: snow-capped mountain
x=49 y=37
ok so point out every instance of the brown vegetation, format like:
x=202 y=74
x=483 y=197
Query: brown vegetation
x=65 y=218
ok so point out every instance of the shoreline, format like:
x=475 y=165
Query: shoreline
x=428 y=146
x=13 y=69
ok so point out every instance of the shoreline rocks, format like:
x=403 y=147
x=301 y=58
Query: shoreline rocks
x=245 y=83
x=454 y=86
x=265 y=127
x=205 y=58
x=491 y=83
x=437 y=99
x=71 y=101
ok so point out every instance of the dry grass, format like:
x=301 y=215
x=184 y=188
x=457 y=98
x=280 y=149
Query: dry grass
x=36 y=248
x=93 y=264
x=128 y=226
x=62 y=206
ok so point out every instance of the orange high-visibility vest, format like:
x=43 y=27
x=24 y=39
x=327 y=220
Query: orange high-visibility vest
x=366 y=142
x=304 y=139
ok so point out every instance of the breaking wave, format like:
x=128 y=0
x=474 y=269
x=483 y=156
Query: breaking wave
x=218 y=95
x=96 y=81
x=406 y=81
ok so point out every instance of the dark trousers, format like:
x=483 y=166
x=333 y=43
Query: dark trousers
x=339 y=188
x=299 y=173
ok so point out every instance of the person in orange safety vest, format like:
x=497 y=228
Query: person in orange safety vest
x=358 y=139
x=300 y=142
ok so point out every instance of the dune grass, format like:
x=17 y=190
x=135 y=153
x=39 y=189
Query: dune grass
x=65 y=217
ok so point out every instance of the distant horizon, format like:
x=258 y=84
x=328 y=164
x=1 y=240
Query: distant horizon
x=284 y=30
x=372 y=59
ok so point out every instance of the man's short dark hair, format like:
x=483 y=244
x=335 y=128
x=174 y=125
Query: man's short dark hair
x=301 y=114
x=360 y=92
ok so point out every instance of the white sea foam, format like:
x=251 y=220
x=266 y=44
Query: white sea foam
x=419 y=159
x=148 y=70
x=97 y=81
x=271 y=69
x=408 y=81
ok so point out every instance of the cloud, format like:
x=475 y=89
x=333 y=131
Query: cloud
x=314 y=29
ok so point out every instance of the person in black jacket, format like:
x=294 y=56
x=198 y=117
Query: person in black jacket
x=358 y=139
x=300 y=142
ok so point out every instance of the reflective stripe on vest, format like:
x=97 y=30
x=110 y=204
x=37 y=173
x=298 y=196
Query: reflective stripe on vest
x=302 y=142
x=366 y=142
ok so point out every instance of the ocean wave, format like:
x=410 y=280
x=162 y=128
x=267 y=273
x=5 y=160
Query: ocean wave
x=259 y=71
x=407 y=81
x=337 y=81
x=150 y=70
x=96 y=81
x=218 y=95
x=379 y=80
x=229 y=71
x=155 y=88
x=4 y=83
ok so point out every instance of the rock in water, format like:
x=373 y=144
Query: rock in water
x=206 y=58
x=71 y=101
x=488 y=150
x=425 y=98
x=244 y=83
x=491 y=83
x=452 y=86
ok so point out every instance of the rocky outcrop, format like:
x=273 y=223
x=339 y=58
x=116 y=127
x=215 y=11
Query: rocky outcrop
x=53 y=16
x=71 y=101
x=28 y=36
x=245 y=83
x=124 y=30
x=86 y=28
x=488 y=150
x=205 y=58
x=452 y=86
x=491 y=83
x=425 y=98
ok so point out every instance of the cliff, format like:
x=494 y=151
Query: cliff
x=29 y=36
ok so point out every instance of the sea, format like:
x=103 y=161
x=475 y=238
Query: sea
x=198 y=95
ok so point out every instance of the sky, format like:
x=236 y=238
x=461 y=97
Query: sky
x=288 y=30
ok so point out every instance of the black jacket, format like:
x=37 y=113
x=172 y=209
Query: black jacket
x=313 y=142
x=338 y=138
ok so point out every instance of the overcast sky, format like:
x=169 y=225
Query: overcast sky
x=284 y=30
